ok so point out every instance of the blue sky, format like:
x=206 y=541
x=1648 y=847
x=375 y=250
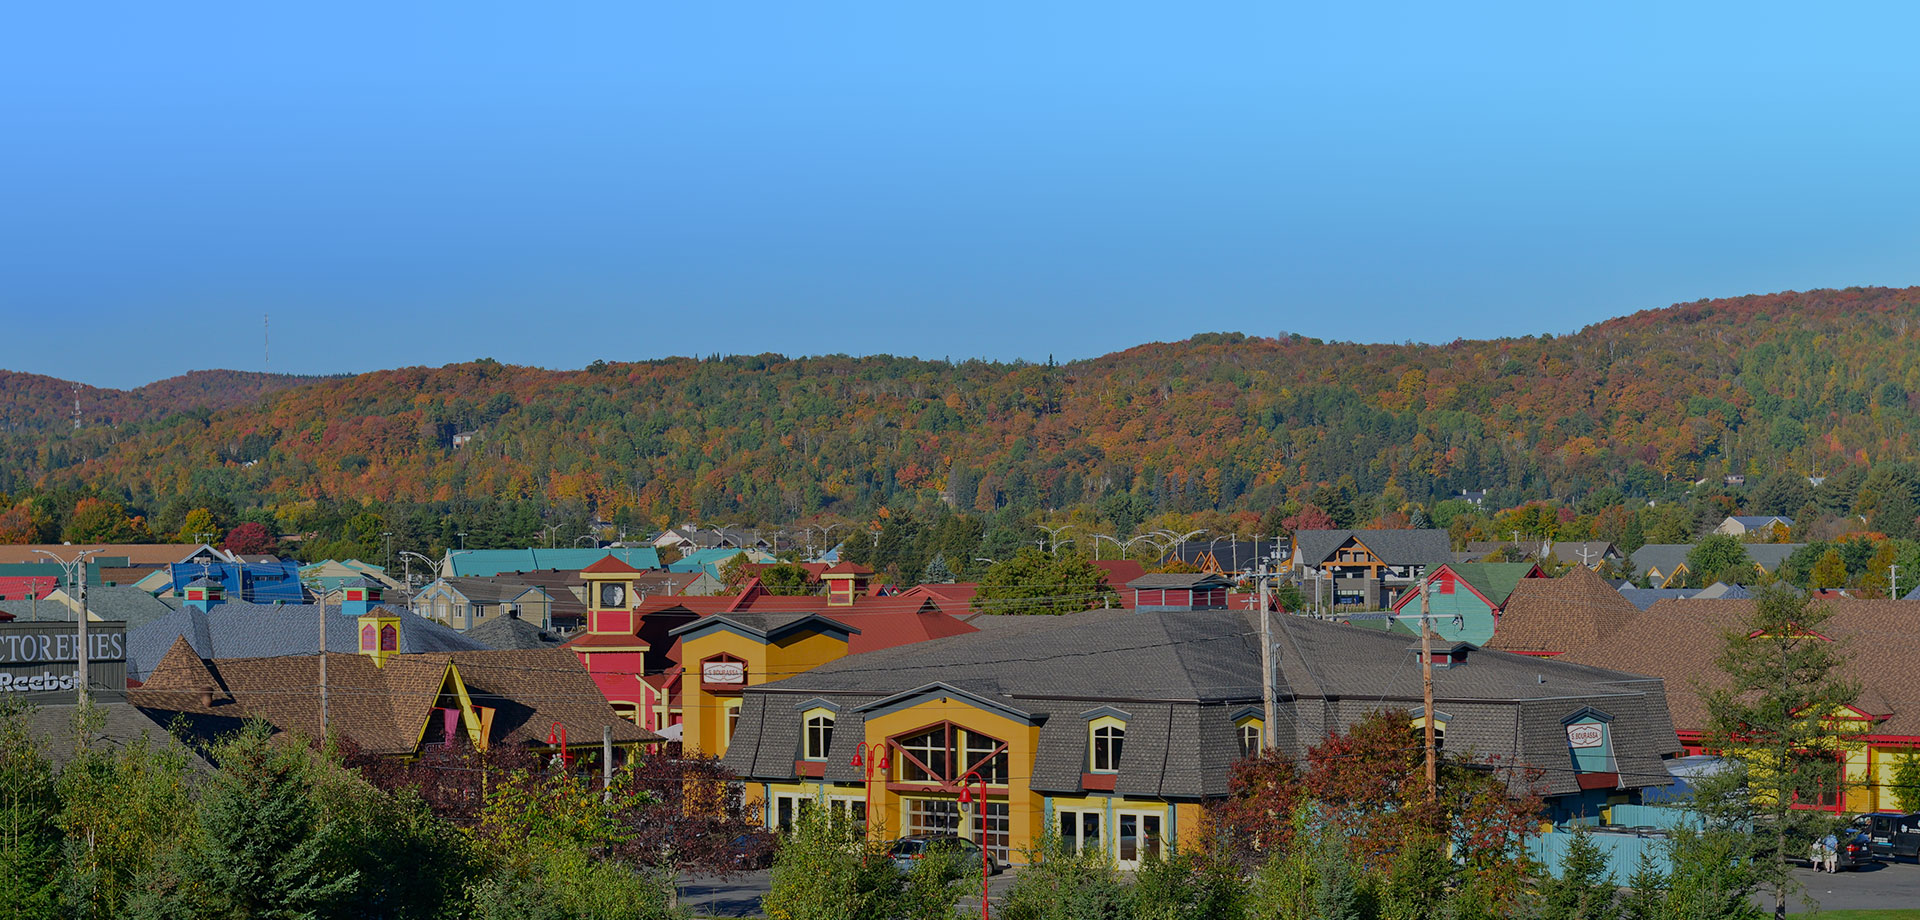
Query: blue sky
x=554 y=183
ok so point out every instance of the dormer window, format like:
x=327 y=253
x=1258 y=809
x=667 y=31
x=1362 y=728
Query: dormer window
x=1106 y=738
x=818 y=738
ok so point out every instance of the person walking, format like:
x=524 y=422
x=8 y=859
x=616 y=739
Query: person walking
x=1832 y=846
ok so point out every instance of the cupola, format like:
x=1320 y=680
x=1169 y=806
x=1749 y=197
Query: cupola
x=204 y=593
x=359 y=595
x=380 y=634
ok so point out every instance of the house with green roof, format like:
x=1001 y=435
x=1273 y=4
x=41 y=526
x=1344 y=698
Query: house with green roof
x=1464 y=599
x=486 y=563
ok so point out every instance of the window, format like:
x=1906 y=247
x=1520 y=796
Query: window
x=1108 y=736
x=732 y=723
x=612 y=595
x=1250 y=731
x=1080 y=830
x=931 y=816
x=1139 y=837
x=819 y=735
x=988 y=757
x=1439 y=731
x=947 y=752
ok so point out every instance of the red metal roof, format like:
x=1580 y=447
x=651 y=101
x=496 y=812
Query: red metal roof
x=610 y=564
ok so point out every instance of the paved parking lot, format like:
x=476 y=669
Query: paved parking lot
x=1876 y=886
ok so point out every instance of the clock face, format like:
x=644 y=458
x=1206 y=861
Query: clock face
x=612 y=595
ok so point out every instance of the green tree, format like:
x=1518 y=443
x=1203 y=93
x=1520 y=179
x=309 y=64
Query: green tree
x=1906 y=782
x=96 y=520
x=1188 y=884
x=1720 y=558
x=1033 y=582
x=200 y=527
x=1062 y=884
x=1829 y=572
x=786 y=579
x=1646 y=896
x=262 y=831
x=1713 y=877
x=937 y=572
x=131 y=805
x=1584 y=890
x=1772 y=714
x=29 y=838
x=828 y=869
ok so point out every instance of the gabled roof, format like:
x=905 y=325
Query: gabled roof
x=1642 y=598
x=488 y=590
x=1751 y=521
x=1557 y=615
x=764 y=626
x=610 y=565
x=1493 y=581
x=128 y=605
x=1393 y=547
x=139 y=555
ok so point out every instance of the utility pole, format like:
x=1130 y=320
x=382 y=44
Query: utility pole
x=1266 y=662
x=323 y=670
x=1426 y=692
x=1893 y=582
x=76 y=569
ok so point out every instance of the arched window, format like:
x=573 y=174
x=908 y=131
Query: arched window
x=819 y=735
x=389 y=638
x=366 y=638
x=1108 y=737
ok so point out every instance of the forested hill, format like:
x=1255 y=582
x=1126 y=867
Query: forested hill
x=1792 y=381
x=32 y=402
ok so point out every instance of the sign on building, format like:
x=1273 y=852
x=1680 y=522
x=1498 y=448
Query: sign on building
x=1586 y=735
x=39 y=661
x=724 y=672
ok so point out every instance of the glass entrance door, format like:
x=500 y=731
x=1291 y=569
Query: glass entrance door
x=1139 y=838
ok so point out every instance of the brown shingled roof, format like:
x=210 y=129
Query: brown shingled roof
x=1555 y=615
x=385 y=710
x=1680 y=640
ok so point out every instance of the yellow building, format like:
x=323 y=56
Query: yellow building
x=1113 y=729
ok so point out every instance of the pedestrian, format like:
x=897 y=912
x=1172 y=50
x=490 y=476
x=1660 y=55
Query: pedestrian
x=1832 y=845
x=1818 y=855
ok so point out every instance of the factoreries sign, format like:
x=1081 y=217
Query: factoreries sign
x=40 y=660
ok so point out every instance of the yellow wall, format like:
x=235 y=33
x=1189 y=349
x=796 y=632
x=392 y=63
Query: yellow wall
x=702 y=712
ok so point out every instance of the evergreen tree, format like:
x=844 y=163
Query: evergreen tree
x=937 y=572
x=264 y=847
x=1585 y=889
x=1772 y=714
x=1634 y=537
x=1646 y=897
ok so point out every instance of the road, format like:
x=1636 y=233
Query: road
x=739 y=896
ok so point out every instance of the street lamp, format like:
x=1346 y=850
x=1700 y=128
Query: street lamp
x=584 y=536
x=871 y=756
x=558 y=735
x=463 y=539
x=76 y=569
x=980 y=825
x=1053 y=535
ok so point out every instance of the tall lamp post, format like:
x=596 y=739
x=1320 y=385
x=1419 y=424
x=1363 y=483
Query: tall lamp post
x=871 y=756
x=76 y=569
x=980 y=824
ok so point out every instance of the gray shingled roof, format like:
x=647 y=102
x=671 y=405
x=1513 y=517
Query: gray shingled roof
x=126 y=604
x=1394 y=547
x=1181 y=676
x=237 y=629
x=511 y=632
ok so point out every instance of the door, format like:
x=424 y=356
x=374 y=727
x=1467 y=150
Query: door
x=1138 y=836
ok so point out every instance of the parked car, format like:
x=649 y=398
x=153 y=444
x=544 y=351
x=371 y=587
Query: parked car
x=965 y=853
x=1891 y=834
x=1855 y=849
x=752 y=851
